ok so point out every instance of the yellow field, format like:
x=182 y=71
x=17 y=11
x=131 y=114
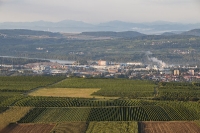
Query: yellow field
x=65 y=92
x=12 y=115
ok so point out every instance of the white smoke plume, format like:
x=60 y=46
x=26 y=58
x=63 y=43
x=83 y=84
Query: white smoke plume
x=159 y=62
x=156 y=60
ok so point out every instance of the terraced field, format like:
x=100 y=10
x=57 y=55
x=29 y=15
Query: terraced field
x=111 y=113
x=129 y=102
x=78 y=102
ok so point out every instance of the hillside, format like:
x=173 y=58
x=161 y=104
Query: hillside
x=126 y=34
x=72 y=26
x=194 y=32
x=106 y=45
x=25 y=32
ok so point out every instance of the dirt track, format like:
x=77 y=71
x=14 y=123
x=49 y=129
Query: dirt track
x=168 y=127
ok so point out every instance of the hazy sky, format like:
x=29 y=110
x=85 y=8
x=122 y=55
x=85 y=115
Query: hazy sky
x=96 y=11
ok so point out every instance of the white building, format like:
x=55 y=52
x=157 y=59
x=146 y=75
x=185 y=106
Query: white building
x=134 y=63
x=191 y=72
x=176 y=72
x=102 y=63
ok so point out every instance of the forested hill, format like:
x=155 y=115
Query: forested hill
x=125 y=34
x=134 y=34
x=116 y=46
x=194 y=32
x=25 y=32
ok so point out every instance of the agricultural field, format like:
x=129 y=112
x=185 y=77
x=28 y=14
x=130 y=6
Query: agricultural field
x=155 y=110
x=9 y=98
x=70 y=127
x=113 y=127
x=26 y=83
x=66 y=92
x=11 y=115
x=142 y=111
x=56 y=115
x=111 y=87
x=179 y=91
x=169 y=127
x=79 y=102
x=28 y=128
x=96 y=105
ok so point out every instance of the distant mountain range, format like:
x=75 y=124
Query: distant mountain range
x=70 y=26
x=18 y=33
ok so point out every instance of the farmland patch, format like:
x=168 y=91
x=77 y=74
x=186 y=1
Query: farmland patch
x=169 y=127
x=26 y=83
x=28 y=128
x=112 y=127
x=111 y=87
x=70 y=127
x=12 y=115
x=65 y=92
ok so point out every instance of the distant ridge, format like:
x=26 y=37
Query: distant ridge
x=18 y=33
x=194 y=32
x=71 y=26
x=125 y=34
x=23 y=32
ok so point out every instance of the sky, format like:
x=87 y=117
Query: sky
x=97 y=11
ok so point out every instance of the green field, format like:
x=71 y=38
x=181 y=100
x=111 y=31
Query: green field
x=78 y=102
x=111 y=87
x=9 y=98
x=112 y=127
x=127 y=102
x=25 y=83
x=141 y=111
x=178 y=91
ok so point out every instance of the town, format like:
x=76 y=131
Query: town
x=155 y=70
